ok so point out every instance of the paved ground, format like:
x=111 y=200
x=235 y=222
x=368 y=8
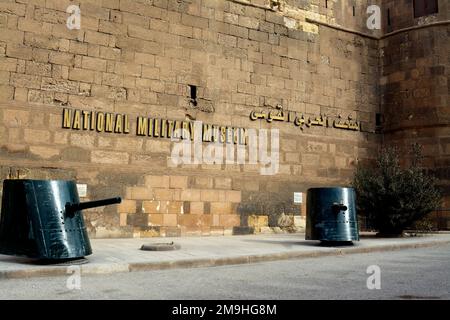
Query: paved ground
x=422 y=273
x=123 y=255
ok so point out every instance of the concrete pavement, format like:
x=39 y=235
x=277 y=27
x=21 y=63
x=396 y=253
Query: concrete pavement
x=124 y=255
x=410 y=274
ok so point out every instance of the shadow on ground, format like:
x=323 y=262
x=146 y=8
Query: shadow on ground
x=306 y=243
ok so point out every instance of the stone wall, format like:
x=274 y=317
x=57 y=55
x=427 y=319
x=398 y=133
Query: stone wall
x=139 y=58
x=415 y=68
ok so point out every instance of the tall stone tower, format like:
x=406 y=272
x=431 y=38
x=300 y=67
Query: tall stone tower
x=414 y=81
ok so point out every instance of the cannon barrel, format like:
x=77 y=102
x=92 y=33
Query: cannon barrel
x=73 y=207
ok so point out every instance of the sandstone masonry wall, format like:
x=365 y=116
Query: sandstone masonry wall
x=415 y=87
x=138 y=57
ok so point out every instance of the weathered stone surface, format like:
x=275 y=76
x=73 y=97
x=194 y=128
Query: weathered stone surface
x=75 y=154
x=109 y=157
x=59 y=85
x=229 y=220
x=178 y=182
x=142 y=58
x=44 y=152
x=6 y=93
x=140 y=193
x=258 y=222
x=26 y=81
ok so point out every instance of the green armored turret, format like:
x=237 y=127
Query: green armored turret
x=43 y=219
x=331 y=215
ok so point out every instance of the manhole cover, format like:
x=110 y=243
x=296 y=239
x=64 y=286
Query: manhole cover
x=160 y=246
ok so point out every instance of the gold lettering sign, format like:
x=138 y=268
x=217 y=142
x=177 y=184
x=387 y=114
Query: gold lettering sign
x=142 y=127
x=301 y=121
x=99 y=121
x=151 y=127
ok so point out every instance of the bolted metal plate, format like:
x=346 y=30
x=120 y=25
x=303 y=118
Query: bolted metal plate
x=331 y=215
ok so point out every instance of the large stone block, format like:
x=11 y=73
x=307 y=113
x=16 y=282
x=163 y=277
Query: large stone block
x=180 y=30
x=14 y=37
x=82 y=140
x=17 y=9
x=203 y=182
x=221 y=208
x=153 y=206
x=123 y=217
x=140 y=193
x=141 y=9
x=191 y=221
x=16 y=118
x=6 y=93
x=82 y=75
x=93 y=63
x=196 y=207
x=129 y=144
x=8 y=64
x=25 y=80
x=222 y=183
x=36 y=136
x=175 y=207
x=109 y=157
x=258 y=222
x=178 y=182
x=95 y=11
x=45 y=152
x=157 y=181
x=170 y=220
x=113 y=93
x=20 y=51
x=129 y=69
x=155 y=219
x=40 y=69
x=110 y=53
x=190 y=195
x=229 y=220
x=127 y=206
x=62 y=58
x=233 y=196
x=59 y=85
x=163 y=194
x=209 y=195
x=75 y=154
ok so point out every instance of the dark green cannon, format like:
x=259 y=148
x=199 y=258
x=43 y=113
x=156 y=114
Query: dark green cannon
x=331 y=215
x=43 y=219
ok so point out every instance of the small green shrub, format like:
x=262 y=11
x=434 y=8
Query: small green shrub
x=392 y=197
x=423 y=225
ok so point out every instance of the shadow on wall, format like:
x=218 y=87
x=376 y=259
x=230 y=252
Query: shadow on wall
x=273 y=205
